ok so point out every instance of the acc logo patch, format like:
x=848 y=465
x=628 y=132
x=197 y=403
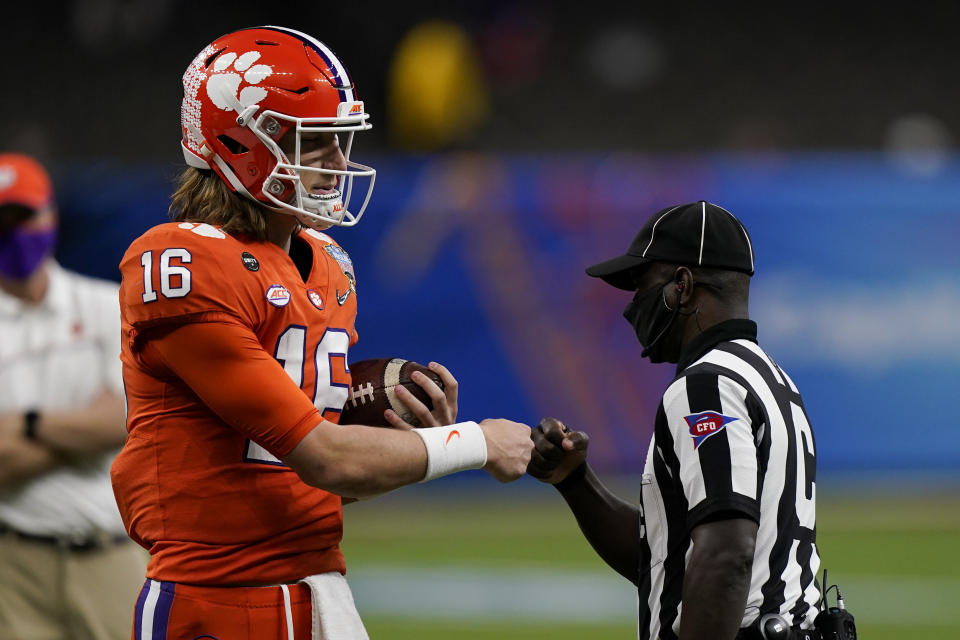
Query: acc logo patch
x=705 y=424
x=278 y=296
x=315 y=298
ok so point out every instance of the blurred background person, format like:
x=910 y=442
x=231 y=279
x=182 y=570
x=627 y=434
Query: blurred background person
x=67 y=568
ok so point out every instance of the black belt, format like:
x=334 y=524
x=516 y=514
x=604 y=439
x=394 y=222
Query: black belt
x=87 y=543
x=753 y=633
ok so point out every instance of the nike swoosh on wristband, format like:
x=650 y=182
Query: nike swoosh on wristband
x=450 y=435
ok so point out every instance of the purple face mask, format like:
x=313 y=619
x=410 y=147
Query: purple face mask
x=22 y=251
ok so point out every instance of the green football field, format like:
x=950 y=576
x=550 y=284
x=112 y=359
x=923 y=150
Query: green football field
x=509 y=562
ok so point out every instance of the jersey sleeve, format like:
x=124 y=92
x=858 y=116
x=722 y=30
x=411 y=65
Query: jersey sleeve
x=182 y=273
x=225 y=365
x=713 y=441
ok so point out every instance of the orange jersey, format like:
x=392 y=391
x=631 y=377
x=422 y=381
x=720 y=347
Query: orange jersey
x=199 y=481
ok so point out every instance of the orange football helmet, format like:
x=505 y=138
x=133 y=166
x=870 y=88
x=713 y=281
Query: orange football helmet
x=245 y=91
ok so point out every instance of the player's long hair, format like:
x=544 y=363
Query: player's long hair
x=201 y=196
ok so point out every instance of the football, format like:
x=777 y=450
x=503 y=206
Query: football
x=372 y=391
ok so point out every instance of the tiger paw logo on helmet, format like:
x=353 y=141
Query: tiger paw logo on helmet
x=229 y=70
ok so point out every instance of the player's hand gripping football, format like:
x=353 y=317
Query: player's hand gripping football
x=557 y=451
x=508 y=448
x=444 y=400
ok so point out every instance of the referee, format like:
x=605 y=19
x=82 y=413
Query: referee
x=722 y=543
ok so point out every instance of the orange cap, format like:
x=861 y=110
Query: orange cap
x=23 y=181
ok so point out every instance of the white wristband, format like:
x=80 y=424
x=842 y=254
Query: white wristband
x=456 y=447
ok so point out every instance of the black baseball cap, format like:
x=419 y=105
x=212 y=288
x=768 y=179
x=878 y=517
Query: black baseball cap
x=698 y=234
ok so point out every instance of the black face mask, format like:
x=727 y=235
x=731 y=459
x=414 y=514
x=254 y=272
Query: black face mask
x=651 y=318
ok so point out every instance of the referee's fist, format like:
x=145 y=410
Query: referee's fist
x=556 y=451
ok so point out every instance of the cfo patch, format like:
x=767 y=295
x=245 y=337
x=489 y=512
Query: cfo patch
x=705 y=424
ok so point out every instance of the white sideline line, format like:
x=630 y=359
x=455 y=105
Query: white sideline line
x=537 y=594
x=473 y=593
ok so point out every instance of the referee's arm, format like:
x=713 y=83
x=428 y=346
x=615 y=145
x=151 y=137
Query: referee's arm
x=717 y=578
x=719 y=478
x=610 y=525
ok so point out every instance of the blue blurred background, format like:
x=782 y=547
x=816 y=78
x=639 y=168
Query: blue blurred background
x=518 y=142
x=476 y=260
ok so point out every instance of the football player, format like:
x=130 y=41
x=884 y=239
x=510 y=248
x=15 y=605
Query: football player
x=237 y=320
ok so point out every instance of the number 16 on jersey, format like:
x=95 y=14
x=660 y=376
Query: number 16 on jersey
x=174 y=278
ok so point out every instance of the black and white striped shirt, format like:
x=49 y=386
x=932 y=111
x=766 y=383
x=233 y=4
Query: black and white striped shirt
x=731 y=439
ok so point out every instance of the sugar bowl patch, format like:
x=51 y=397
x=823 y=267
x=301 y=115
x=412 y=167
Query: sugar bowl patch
x=346 y=265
